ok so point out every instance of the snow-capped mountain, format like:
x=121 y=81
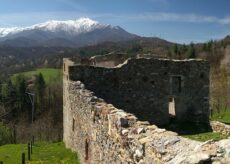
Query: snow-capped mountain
x=73 y=33
x=81 y=25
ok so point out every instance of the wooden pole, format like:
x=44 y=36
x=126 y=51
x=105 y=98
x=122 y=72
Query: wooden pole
x=29 y=151
x=14 y=134
x=31 y=147
x=23 y=158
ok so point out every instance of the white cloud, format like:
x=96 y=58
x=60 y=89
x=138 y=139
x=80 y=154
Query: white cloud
x=174 y=17
x=22 y=19
x=225 y=20
x=165 y=17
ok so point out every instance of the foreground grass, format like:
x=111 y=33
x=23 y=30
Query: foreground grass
x=206 y=136
x=48 y=73
x=197 y=132
x=43 y=153
x=222 y=117
x=12 y=153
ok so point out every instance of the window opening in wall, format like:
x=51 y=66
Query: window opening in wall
x=73 y=126
x=172 y=107
x=86 y=150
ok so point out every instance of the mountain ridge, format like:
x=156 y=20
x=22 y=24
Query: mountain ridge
x=70 y=33
x=77 y=26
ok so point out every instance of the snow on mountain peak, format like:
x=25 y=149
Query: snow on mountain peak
x=12 y=30
x=78 y=26
x=86 y=21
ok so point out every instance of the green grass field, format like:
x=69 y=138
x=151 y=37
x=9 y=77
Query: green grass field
x=222 y=117
x=199 y=133
x=49 y=74
x=206 y=136
x=43 y=153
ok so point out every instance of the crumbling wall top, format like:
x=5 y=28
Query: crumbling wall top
x=119 y=60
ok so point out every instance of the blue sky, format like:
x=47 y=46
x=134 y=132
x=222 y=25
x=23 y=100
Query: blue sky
x=181 y=21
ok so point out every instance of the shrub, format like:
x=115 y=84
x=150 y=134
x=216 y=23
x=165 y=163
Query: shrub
x=5 y=134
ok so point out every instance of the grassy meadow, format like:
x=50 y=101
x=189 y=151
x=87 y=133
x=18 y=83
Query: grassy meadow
x=222 y=117
x=49 y=74
x=43 y=153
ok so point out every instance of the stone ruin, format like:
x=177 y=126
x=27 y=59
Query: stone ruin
x=113 y=105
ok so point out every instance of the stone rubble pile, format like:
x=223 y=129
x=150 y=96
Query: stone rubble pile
x=150 y=144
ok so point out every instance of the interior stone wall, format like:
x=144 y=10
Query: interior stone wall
x=145 y=87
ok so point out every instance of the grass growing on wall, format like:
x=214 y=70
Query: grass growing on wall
x=43 y=153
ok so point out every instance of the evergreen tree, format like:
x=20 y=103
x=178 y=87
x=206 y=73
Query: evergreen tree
x=40 y=87
x=175 y=49
x=204 y=47
x=8 y=96
x=20 y=86
x=191 y=51
x=210 y=45
x=183 y=48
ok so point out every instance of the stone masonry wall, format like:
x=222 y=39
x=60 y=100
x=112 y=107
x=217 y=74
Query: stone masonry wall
x=109 y=60
x=144 y=87
x=101 y=134
x=220 y=127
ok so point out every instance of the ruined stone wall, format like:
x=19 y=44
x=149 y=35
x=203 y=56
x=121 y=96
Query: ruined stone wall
x=220 y=127
x=109 y=60
x=145 y=87
x=101 y=133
